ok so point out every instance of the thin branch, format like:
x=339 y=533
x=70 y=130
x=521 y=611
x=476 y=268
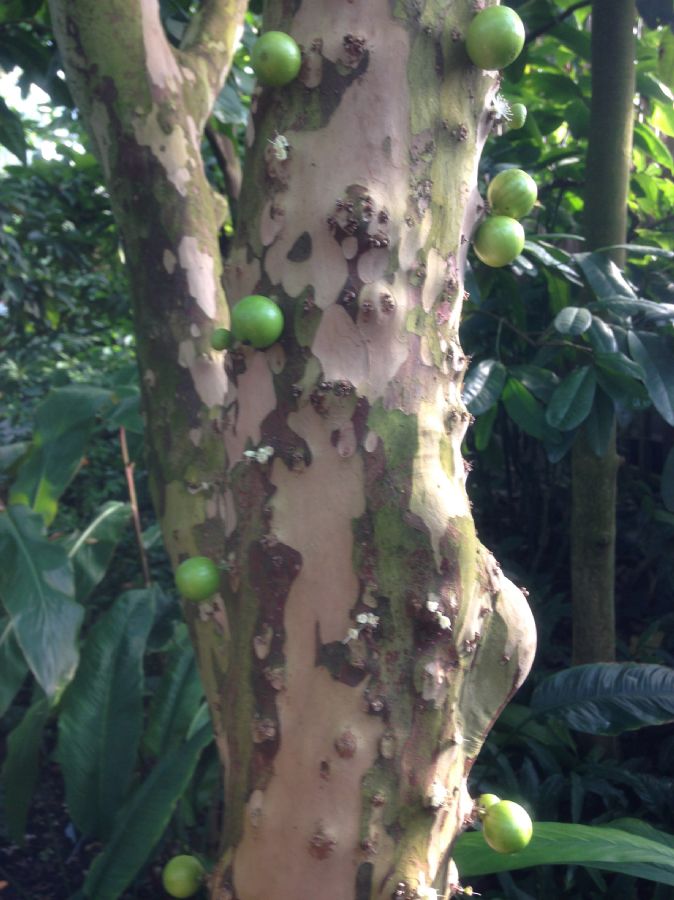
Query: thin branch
x=556 y=20
x=229 y=164
x=133 y=501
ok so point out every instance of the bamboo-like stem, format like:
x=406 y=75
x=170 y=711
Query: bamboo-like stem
x=133 y=501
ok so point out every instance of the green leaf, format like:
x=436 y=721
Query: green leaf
x=101 y=714
x=666 y=59
x=11 y=130
x=483 y=386
x=654 y=354
x=483 y=428
x=573 y=320
x=601 y=336
x=599 y=424
x=524 y=409
x=572 y=400
x=14 y=10
x=541 y=382
x=619 y=364
x=609 y=848
x=37 y=589
x=604 y=277
x=173 y=702
x=143 y=819
x=64 y=422
x=13 y=666
x=667 y=481
x=21 y=767
x=93 y=549
x=608 y=698
x=646 y=139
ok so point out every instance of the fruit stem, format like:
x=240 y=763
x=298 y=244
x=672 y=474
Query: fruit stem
x=133 y=501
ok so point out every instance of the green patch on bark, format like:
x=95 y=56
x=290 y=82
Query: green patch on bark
x=398 y=431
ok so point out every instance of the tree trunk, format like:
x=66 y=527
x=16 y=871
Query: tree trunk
x=363 y=642
x=593 y=504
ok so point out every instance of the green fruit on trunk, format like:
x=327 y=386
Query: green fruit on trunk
x=484 y=801
x=507 y=827
x=276 y=59
x=498 y=241
x=257 y=320
x=221 y=339
x=512 y=193
x=518 y=116
x=197 y=578
x=182 y=876
x=495 y=38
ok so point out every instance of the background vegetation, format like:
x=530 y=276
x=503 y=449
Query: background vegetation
x=108 y=763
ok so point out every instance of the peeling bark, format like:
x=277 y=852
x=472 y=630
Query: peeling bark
x=363 y=641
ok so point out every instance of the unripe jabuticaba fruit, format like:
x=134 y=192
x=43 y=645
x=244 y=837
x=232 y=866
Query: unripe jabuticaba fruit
x=518 y=116
x=197 y=578
x=182 y=876
x=495 y=37
x=512 y=193
x=498 y=241
x=484 y=801
x=507 y=827
x=221 y=339
x=257 y=320
x=276 y=59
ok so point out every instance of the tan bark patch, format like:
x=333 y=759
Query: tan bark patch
x=200 y=270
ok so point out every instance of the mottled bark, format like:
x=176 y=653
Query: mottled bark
x=363 y=642
x=593 y=495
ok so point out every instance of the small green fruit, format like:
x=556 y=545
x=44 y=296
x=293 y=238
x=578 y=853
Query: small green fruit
x=498 y=241
x=197 y=578
x=276 y=58
x=221 y=339
x=518 y=116
x=495 y=38
x=182 y=876
x=484 y=801
x=512 y=193
x=507 y=827
x=257 y=320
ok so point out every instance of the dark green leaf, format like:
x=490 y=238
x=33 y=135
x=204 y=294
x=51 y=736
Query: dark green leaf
x=524 y=409
x=553 y=843
x=37 y=589
x=483 y=385
x=604 y=277
x=14 y=10
x=572 y=400
x=11 y=130
x=21 y=767
x=483 y=427
x=13 y=666
x=541 y=382
x=608 y=698
x=92 y=550
x=654 y=354
x=667 y=481
x=600 y=423
x=601 y=336
x=101 y=714
x=666 y=58
x=619 y=364
x=143 y=819
x=573 y=320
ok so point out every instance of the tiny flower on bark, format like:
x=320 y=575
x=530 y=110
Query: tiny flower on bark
x=280 y=147
x=261 y=455
x=437 y=795
x=501 y=108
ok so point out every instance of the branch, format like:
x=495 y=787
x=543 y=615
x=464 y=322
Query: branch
x=552 y=23
x=229 y=164
x=209 y=45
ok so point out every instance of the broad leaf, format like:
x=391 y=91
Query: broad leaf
x=572 y=401
x=64 y=422
x=13 y=667
x=604 y=277
x=483 y=385
x=101 y=714
x=608 y=698
x=655 y=356
x=141 y=822
x=483 y=427
x=178 y=694
x=21 y=767
x=573 y=320
x=37 y=589
x=600 y=423
x=610 y=848
x=524 y=409
x=93 y=549
x=541 y=382
x=601 y=336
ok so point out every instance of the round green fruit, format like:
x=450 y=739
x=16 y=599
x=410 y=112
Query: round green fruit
x=182 y=876
x=484 y=801
x=257 y=320
x=512 y=193
x=197 y=578
x=276 y=58
x=507 y=827
x=221 y=339
x=518 y=116
x=498 y=241
x=495 y=37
